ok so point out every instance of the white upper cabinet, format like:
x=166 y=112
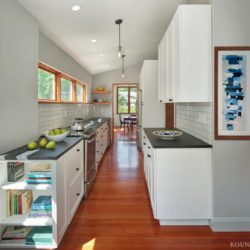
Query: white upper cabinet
x=185 y=56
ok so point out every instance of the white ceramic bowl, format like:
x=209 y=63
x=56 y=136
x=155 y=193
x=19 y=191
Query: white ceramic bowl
x=56 y=138
x=167 y=134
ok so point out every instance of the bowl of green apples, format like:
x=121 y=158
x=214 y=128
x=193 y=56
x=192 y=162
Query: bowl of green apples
x=57 y=135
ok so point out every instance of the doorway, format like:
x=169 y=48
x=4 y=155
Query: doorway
x=125 y=108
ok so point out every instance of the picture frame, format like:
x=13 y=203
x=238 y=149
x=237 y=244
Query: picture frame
x=232 y=93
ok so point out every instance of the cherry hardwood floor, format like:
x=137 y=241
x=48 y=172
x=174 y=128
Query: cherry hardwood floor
x=117 y=214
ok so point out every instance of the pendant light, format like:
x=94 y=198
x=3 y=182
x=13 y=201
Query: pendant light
x=118 y=22
x=123 y=70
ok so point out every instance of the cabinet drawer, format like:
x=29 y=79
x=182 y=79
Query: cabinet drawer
x=74 y=170
x=75 y=196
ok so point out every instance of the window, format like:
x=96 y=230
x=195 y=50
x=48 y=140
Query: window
x=126 y=100
x=66 y=90
x=79 y=93
x=46 y=85
x=55 y=86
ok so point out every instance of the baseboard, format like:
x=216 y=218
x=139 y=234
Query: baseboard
x=230 y=224
x=183 y=222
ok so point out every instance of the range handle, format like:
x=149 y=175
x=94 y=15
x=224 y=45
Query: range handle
x=90 y=141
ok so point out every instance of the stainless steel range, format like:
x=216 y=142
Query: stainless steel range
x=89 y=157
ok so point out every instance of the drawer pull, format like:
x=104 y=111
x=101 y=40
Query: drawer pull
x=149 y=156
x=78 y=194
x=144 y=143
x=149 y=147
x=78 y=150
x=170 y=100
x=77 y=169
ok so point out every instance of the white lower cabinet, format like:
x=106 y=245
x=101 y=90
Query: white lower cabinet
x=65 y=186
x=70 y=188
x=101 y=142
x=179 y=184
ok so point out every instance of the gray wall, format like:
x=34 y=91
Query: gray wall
x=231 y=159
x=54 y=56
x=18 y=71
x=132 y=75
x=108 y=78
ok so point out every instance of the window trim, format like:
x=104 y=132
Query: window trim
x=58 y=75
x=122 y=87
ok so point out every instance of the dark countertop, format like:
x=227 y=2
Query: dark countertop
x=183 y=141
x=46 y=154
x=61 y=148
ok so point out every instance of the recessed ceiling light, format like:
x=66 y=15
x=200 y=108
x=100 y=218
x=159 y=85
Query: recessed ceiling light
x=101 y=54
x=76 y=7
x=93 y=40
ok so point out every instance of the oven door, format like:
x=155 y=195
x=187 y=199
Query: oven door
x=90 y=163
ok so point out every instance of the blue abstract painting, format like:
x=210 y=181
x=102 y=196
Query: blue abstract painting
x=234 y=80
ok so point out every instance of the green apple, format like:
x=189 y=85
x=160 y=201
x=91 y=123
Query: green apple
x=51 y=132
x=51 y=145
x=43 y=142
x=32 y=145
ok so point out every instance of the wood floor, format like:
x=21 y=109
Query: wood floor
x=117 y=213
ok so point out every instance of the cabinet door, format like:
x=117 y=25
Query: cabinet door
x=151 y=178
x=162 y=87
x=169 y=64
x=176 y=68
x=61 y=196
x=74 y=197
x=75 y=192
x=195 y=37
x=183 y=183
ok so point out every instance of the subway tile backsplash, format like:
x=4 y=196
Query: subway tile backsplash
x=195 y=119
x=61 y=115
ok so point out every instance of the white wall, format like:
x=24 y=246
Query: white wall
x=18 y=71
x=231 y=159
x=107 y=79
x=54 y=56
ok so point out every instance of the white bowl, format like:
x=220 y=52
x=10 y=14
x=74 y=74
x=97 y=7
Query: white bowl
x=56 y=138
x=167 y=134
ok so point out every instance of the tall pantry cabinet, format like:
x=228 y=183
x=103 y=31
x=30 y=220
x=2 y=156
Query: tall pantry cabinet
x=151 y=113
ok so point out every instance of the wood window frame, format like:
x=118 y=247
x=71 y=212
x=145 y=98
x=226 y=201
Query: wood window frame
x=58 y=75
x=129 y=88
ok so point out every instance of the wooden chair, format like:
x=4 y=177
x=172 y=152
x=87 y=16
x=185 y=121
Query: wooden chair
x=133 y=120
x=124 y=122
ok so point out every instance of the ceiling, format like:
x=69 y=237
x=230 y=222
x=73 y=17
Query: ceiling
x=144 y=23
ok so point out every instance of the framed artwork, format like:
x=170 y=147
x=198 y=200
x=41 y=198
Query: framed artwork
x=232 y=93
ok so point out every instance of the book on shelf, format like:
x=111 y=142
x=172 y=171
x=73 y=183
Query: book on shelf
x=39 y=178
x=18 y=201
x=15 y=171
x=15 y=235
x=41 y=167
x=42 y=203
x=40 y=236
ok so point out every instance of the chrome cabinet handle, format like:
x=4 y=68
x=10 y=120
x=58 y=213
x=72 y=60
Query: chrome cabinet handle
x=149 y=156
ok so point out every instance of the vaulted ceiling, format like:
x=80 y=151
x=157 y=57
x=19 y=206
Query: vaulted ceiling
x=144 y=23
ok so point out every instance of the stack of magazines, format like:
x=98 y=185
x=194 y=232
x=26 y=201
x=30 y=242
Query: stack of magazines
x=41 y=207
x=15 y=235
x=39 y=178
